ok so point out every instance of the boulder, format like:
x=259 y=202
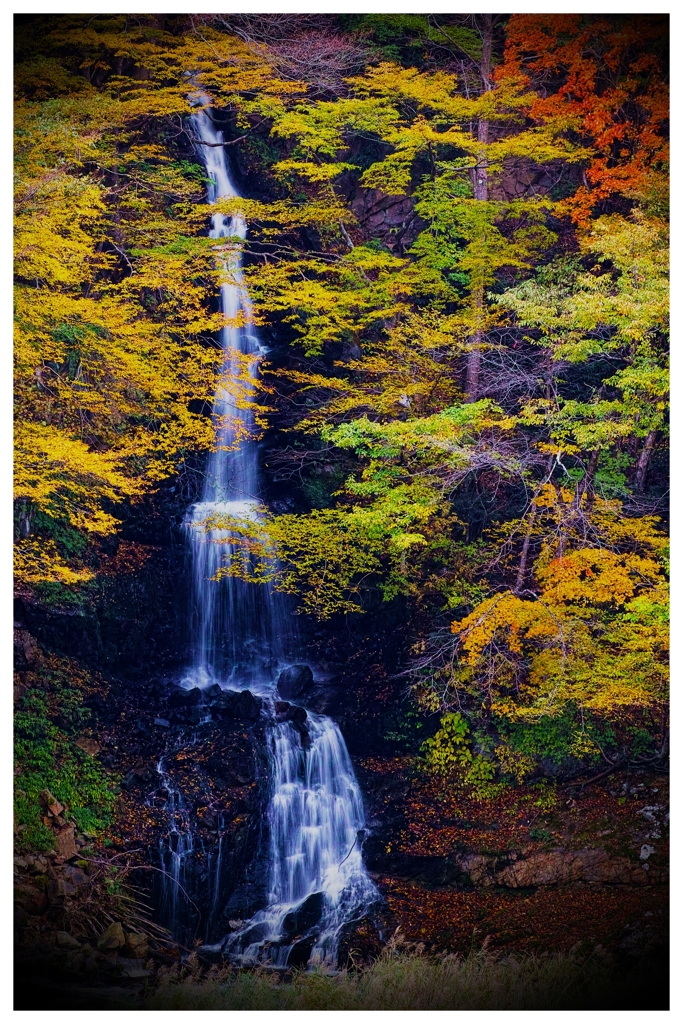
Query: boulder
x=305 y=916
x=287 y=712
x=129 y=781
x=294 y=682
x=25 y=648
x=30 y=898
x=88 y=744
x=66 y=843
x=112 y=939
x=239 y=705
x=67 y=941
x=48 y=800
x=132 y=968
x=136 y=945
x=75 y=875
x=186 y=698
x=300 y=953
x=212 y=693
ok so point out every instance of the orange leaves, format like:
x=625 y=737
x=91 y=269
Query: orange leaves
x=612 y=91
x=595 y=576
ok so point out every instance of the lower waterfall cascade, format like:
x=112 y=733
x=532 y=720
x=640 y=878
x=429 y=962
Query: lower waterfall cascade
x=243 y=637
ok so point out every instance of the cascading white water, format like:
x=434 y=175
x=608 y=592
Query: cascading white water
x=239 y=627
x=315 y=816
x=317 y=882
x=175 y=853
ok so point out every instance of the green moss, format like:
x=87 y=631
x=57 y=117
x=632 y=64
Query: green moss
x=50 y=713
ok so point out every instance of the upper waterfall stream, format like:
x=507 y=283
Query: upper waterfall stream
x=242 y=638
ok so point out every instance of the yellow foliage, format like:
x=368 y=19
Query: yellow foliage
x=40 y=562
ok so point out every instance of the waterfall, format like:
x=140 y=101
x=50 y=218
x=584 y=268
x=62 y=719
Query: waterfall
x=240 y=628
x=317 y=879
x=243 y=632
x=175 y=854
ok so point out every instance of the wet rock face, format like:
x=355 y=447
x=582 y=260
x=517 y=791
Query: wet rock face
x=25 y=648
x=207 y=807
x=236 y=706
x=189 y=760
x=304 y=917
x=390 y=219
x=295 y=682
x=299 y=928
x=134 y=618
x=286 y=712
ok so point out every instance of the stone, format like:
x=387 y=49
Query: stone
x=48 y=800
x=74 y=961
x=67 y=941
x=132 y=968
x=186 y=698
x=25 y=648
x=75 y=875
x=212 y=693
x=300 y=953
x=31 y=899
x=60 y=886
x=112 y=939
x=290 y=712
x=304 y=917
x=129 y=780
x=66 y=843
x=241 y=705
x=294 y=681
x=88 y=744
x=163 y=722
x=297 y=716
x=136 y=945
x=20 y=864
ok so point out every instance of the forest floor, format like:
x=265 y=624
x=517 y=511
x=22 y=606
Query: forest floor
x=502 y=877
x=428 y=829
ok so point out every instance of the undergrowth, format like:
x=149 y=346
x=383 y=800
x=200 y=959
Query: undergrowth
x=49 y=717
x=401 y=980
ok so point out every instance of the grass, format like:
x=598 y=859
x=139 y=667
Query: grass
x=414 y=981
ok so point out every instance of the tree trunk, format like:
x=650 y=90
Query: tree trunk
x=480 y=184
x=641 y=469
x=589 y=482
x=524 y=558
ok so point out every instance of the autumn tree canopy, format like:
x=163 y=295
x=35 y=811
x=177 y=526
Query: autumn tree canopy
x=468 y=396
